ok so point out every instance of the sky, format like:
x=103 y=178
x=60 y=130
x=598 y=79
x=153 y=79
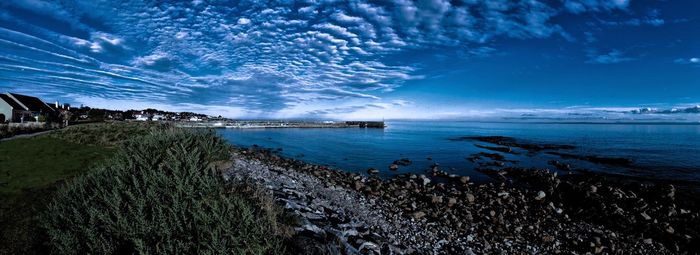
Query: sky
x=359 y=59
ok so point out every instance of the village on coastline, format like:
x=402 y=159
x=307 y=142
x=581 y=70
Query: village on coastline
x=28 y=112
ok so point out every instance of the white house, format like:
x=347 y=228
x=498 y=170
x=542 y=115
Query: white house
x=141 y=117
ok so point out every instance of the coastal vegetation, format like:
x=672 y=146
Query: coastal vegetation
x=30 y=171
x=130 y=188
x=13 y=129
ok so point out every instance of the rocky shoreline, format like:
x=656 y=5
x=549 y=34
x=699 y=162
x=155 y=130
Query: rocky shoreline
x=523 y=211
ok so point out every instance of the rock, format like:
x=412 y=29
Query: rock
x=593 y=189
x=547 y=239
x=451 y=201
x=670 y=229
x=647 y=241
x=393 y=167
x=418 y=215
x=425 y=180
x=540 y=195
x=359 y=185
x=402 y=162
x=369 y=246
x=436 y=199
x=372 y=171
x=671 y=191
x=645 y=216
x=464 y=179
x=470 y=198
x=313 y=229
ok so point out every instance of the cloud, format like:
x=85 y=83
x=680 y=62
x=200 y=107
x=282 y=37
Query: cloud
x=265 y=57
x=657 y=22
x=243 y=21
x=612 y=57
x=580 y=6
x=688 y=61
x=157 y=61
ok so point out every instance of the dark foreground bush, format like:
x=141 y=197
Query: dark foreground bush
x=160 y=195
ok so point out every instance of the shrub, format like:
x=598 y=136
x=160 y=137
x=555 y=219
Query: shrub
x=161 y=194
x=108 y=133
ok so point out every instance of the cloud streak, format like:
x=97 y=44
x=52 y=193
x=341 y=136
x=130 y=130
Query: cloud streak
x=264 y=57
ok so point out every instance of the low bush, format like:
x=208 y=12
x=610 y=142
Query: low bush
x=13 y=129
x=161 y=194
x=107 y=133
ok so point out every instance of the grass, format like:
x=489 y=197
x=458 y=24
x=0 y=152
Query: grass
x=162 y=193
x=32 y=168
x=107 y=133
x=37 y=162
x=129 y=188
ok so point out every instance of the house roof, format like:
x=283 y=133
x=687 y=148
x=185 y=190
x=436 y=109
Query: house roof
x=10 y=101
x=30 y=103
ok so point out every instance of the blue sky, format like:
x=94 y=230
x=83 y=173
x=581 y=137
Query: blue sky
x=358 y=59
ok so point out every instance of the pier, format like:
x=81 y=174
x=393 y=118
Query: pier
x=252 y=124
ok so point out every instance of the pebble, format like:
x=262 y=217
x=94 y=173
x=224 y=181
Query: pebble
x=470 y=198
x=540 y=195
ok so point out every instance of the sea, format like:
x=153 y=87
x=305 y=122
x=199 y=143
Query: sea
x=659 y=151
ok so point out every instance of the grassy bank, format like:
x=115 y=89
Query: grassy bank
x=128 y=188
x=30 y=170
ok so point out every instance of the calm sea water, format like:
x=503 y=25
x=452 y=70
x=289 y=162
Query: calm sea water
x=658 y=151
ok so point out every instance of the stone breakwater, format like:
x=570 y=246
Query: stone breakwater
x=523 y=211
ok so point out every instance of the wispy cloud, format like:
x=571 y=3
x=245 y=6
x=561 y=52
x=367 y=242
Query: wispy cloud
x=612 y=57
x=264 y=57
x=687 y=61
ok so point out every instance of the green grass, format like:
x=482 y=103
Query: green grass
x=32 y=168
x=129 y=188
x=107 y=133
x=162 y=194
x=31 y=163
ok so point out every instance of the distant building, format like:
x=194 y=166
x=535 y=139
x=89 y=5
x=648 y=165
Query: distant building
x=157 y=117
x=21 y=108
x=141 y=117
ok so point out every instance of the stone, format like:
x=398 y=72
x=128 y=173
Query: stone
x=645 y=216
x=359 y=185
x=547 y=239
x=470 y=198
x=671 y=191
x=418 y=215
x=436 y=199
x=451 y=201
x=593 y=189
x=372 y=171
x=464 y=179
x=425 y=180
x=393 y=167
x=369 y=246
x=540 y=195
x=670 y=229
